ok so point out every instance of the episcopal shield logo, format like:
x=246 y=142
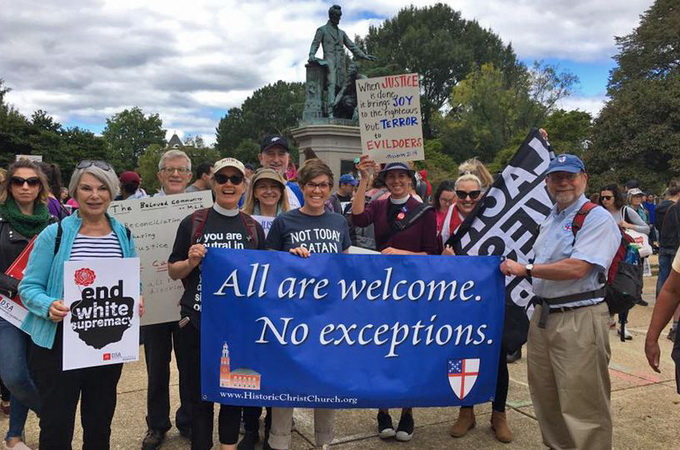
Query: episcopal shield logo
x=463 y=375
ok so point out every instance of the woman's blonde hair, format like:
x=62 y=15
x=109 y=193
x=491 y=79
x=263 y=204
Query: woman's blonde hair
x=475 y=167
x=25 y=164
x=468 y=177
x=265 y=174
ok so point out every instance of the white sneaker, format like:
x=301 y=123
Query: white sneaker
x=626 y=334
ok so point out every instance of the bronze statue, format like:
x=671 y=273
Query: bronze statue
x=345 y=104
x=334 y=40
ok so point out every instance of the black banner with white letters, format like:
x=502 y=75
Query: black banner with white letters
x=505 y=222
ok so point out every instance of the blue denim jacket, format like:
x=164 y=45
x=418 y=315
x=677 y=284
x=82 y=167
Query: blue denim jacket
x=43 y=280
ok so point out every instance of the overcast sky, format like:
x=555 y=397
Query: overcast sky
x=190 y=61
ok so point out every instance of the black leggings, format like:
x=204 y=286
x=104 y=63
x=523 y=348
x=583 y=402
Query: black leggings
x=502 y=383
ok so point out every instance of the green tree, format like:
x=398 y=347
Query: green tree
x=637 y=134
x=439 y=45
x=569 y=131
x=275 y=108
x=128 y=133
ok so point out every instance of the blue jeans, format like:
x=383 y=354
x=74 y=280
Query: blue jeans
x=665 y=264
x=15 y=374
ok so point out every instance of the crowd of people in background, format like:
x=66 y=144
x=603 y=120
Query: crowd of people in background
x=388 y=208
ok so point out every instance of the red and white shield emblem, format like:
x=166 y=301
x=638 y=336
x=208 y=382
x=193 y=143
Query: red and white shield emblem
x=463 y=374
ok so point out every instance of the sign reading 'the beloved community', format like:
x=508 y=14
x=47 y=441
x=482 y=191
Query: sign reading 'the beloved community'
x=389 y=118
x=349 y=331
x=153 y=222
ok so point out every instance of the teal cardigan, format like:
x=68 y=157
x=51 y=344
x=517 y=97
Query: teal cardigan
x=43 y=280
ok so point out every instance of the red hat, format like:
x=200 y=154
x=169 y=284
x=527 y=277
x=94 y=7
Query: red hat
x=129 y=177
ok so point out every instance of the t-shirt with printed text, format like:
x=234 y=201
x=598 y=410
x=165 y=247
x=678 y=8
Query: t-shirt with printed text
x=327 y=233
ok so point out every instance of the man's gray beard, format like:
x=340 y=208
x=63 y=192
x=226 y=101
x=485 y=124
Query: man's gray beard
x=565 y=198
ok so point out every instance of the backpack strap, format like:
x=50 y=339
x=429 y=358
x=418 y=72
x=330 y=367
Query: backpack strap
x=412 y=216
x=198 y=219
x=251 y=227
x=580 y=217
x=57 y=240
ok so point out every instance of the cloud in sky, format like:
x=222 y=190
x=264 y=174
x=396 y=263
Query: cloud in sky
x=190 y=61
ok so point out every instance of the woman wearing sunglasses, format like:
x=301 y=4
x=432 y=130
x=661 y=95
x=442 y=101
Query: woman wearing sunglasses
x=23 y=215
x=468 y=192
x=403 y=226
x=89 y=233
x=613 y=201
x=221 y=226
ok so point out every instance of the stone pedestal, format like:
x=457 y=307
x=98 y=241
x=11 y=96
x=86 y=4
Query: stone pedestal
x=336 y=145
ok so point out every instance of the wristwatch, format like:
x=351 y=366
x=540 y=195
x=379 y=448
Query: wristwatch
x=529 y=268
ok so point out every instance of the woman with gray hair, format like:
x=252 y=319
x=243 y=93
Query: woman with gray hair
x=89 y=233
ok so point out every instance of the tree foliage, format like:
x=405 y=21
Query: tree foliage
x=439 y=45
x=128 y=133
x=275 y=108
x=637 y=134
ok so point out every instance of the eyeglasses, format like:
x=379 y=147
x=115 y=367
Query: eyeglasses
x=93 y=162
x=19 y=182
x=179 y=170
x=222 y=179
x=606 y=197
x=558 y=177
x=472 y=194
x=322 y=186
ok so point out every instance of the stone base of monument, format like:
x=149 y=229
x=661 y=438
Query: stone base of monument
x=336 y=145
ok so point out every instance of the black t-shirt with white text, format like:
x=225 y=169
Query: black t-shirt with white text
x=327 y=233
x=219 y=231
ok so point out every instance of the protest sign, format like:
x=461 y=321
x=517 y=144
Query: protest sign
x=505 y=223
x=103 y=325
x=266 y=222
x=153 y=222
x=389 y=118
x=349 y=331
x=11 y=309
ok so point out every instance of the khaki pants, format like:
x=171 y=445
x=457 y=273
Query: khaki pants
x=282 y=421
x=569 y=378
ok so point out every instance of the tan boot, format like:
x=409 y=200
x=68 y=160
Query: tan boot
x=464 y=423
x=499 y=424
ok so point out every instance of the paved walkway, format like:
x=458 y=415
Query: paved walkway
x=645 y=407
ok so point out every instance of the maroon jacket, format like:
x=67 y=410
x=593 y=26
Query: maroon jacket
x=419 y=237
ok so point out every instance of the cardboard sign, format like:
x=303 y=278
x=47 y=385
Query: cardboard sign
x=153 y=222
x=390 y=119
x=103 y=325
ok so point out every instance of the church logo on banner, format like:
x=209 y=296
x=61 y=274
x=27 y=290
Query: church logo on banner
x=463 y=375
x=239 y=378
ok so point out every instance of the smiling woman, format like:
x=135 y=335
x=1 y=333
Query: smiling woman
x=87 y=234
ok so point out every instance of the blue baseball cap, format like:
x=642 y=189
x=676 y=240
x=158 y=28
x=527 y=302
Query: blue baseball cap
x=348 y=179
x=566 y=163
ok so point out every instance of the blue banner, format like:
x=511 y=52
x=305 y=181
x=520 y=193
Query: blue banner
x=350 y=331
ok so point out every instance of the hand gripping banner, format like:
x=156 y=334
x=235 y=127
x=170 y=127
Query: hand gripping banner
x=349 y=331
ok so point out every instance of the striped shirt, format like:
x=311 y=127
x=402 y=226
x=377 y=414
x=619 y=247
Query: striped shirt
x=89 y=247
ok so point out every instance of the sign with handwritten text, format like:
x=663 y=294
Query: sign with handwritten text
x=153 y=222
x=389 y=118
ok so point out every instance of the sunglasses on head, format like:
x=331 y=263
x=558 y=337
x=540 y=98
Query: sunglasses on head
x=472 y=194
x=93 y=162
x=222 y=179
x=606 y=197
x=19 y=182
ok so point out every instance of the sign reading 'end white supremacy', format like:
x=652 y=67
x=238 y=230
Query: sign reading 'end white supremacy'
x=289 y=327
x=389 y=118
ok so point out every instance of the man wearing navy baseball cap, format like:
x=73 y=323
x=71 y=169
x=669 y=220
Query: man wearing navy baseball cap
x=275 y=154
x=568 y=345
